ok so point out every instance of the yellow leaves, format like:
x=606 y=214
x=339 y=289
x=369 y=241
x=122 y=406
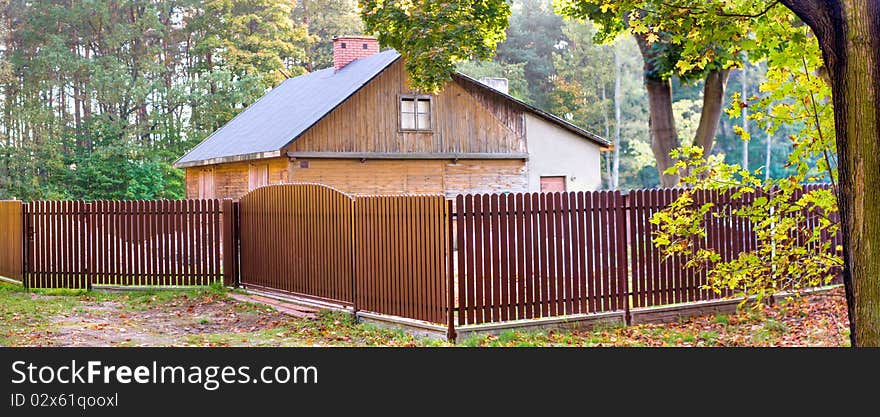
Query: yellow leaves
x=652 y=37
x=739 y=131
x=608 y=7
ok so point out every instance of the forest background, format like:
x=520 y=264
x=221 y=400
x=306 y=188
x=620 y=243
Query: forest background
x=99 y=98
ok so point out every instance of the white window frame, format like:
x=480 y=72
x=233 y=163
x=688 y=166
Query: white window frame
x=414 y=115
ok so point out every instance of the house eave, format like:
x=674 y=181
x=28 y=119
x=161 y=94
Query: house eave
x=227 y=159
x=408 y=155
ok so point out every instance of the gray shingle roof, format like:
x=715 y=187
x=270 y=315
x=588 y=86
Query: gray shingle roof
x=293 y=107
x=286 y=112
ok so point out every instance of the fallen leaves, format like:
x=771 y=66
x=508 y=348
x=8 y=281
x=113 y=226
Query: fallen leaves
x=193 y=319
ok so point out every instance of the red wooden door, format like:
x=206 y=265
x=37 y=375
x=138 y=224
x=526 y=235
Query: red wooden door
x=552 y=184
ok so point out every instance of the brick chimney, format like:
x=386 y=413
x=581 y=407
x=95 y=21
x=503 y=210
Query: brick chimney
x=350 y=48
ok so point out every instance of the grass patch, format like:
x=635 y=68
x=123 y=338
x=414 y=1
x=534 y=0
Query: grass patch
x=23 y=313
x=206 y=316
x=675 y=338
x=710 y=337
x=775 y=327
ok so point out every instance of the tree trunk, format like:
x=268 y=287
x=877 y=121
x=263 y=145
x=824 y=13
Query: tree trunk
x=608 y=176
x=662 y=127
x=713 y=104
x=615 y=170
x=661 y=121
x=849 y=36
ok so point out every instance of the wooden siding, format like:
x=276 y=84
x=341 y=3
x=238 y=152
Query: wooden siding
x=463 y=122
x=483 y=176
x=231 y=180
x=414 y=176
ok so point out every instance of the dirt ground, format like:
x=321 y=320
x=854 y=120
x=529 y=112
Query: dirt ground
x=214 y=317
x=174 y=318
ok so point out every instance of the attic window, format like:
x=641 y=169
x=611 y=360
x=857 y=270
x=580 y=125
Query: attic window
x=365 y=46
x=415 y=113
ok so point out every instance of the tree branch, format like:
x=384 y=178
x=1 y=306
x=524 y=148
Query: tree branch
x=747 y=15
x=813 y=13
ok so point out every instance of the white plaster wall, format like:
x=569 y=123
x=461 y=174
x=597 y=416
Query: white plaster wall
x=554 y=151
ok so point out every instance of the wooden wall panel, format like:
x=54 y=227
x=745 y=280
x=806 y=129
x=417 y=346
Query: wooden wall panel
x=464 y=122
x=486 y=176
x=373 y=176
x=397 y=177
x=231 y=180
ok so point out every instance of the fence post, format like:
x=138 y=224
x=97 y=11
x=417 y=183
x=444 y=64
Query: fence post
x=26 y=237
x=352 y=225
x=87 y=236
x=230 y=243
x=623 y=253
x=450 y=274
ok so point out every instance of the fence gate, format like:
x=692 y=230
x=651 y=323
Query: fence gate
x=297 y=238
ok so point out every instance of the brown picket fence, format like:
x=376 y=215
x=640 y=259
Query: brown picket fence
x=531 y=255
x=658 y=279
x=74 y=244
x=11 y=243
x=482 y=258
x=400 y=256
x=523 y=256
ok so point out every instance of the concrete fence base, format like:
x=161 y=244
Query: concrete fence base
x=661 y=314
x=572 y=322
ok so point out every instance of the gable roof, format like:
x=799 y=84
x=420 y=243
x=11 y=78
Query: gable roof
x=285 y=112
x=294 y=106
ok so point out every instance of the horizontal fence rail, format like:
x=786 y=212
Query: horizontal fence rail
x=11 y=242
x=74 y=244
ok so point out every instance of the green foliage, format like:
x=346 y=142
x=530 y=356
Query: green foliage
x=583 y=93
x=676 y=43
x=584 y=84
x=434 y=35
x=325 y=19
x=534 y=38
x=789 y=225
x=250 y=37
x=100 y=97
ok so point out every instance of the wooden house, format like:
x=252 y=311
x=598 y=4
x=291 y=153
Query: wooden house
x=358 y=128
